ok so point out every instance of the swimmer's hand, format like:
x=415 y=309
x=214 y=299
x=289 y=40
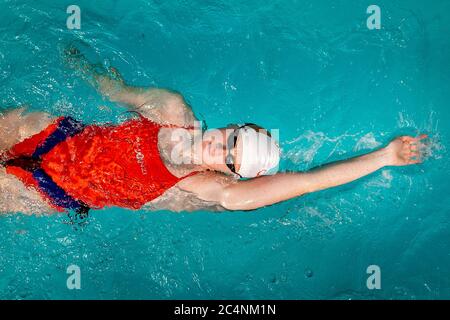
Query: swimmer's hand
x=75 y=59
x=405 y=150
x=108 y=81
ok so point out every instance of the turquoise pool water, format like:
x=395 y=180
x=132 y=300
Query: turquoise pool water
x=312 y=69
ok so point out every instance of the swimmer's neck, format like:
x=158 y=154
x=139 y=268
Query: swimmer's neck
x=181 y=159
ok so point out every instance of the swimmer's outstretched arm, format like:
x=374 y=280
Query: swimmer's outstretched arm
x=160 y=105
x=267 y=190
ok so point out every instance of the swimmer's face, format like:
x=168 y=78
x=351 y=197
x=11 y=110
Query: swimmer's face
x=219 y=148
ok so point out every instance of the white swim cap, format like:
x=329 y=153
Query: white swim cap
x=260 y=153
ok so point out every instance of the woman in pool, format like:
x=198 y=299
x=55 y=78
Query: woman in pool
x=57 y=164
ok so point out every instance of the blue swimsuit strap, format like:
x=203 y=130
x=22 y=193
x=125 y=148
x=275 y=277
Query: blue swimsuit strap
x=67 y=127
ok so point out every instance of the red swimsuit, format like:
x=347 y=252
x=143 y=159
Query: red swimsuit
x=103 y=165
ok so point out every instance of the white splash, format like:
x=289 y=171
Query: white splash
x=382 y=181
x=367 y=142
x=306 y=147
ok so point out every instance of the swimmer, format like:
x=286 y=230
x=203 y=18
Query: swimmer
x=57 y=164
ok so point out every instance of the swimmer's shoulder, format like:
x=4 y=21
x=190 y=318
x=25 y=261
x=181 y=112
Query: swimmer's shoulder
x=207 y=185
x=196 y=192
x=166 y=107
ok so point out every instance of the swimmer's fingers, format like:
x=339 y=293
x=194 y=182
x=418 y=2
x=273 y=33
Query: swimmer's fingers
x=413 y=157
x=413 y=147
x=412 y=144
x=415 y=161
x=114 y=71
x=410 y=154
x=76 y=60
x=410 y=139
x=421 y=137
x=413 y=154
x=116 y=74
x=72 y=51
x=72 y=54
x=406 y=150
